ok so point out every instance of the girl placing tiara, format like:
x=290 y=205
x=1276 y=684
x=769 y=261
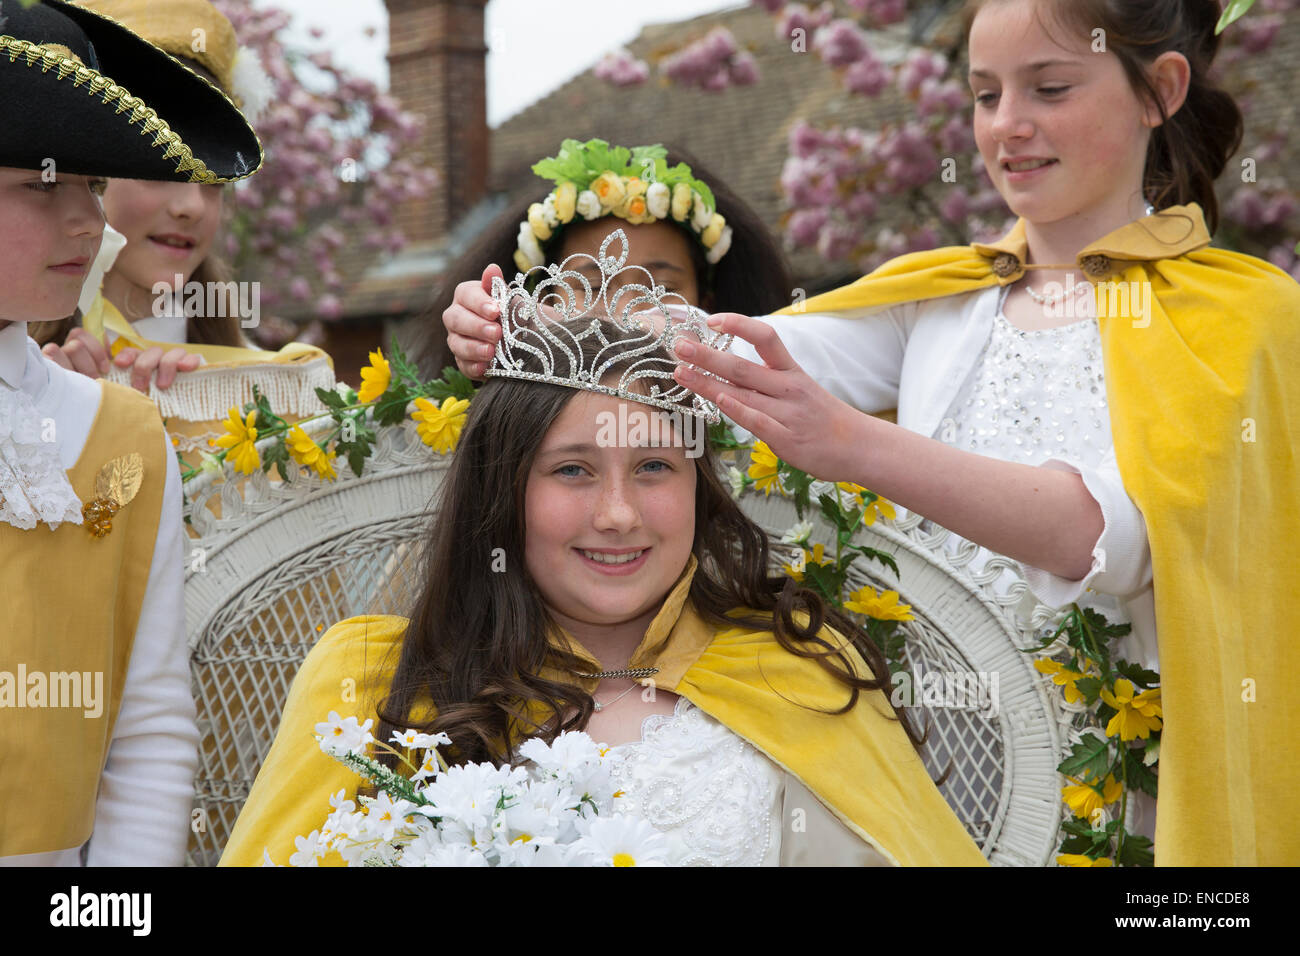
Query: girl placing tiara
x=752 y=722
x=1136 y=453
x=97 y=724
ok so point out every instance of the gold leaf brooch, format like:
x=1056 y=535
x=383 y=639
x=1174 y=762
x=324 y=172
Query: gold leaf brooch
x=116 y=484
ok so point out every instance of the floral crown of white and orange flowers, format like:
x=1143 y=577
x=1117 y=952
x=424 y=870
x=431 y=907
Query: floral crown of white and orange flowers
x=594 y=179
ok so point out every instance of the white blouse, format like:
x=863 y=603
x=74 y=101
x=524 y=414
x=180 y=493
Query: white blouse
x=715 y=797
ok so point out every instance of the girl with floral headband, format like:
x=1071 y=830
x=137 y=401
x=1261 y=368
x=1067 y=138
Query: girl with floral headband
x=682 y=223
x=164 y=230
x=96 y=718
x=616 y=588
x=1132 y=459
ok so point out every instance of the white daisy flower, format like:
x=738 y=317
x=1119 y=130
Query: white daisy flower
x=798 y=534
x=339 y=736
x=309 y=850
x=623 y=840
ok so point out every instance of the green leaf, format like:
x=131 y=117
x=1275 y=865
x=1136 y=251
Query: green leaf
x=1136 y=850
x=1089 y=759
x=1138 y=674
x=884 y=557
x=402 y=366
x=1137 y=774
x=1090 y=687
x=391 y=407
x=330 y=398
x=706 y=194
x=1232 y=13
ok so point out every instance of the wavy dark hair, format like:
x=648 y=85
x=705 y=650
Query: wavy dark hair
x=753 y=278
x=477 y=640
x=1190 y=149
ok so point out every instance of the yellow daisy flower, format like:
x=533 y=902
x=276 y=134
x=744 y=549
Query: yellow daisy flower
x=1085 y=801
x=239 y=438
x=440 y=428
x=307 y=452
x=1062 y=677
x=878 y=508
x=1078 y=859
x=375 y=377
x=763 y=468
x=816 y=556
x=1135 y=715
x=883 y=606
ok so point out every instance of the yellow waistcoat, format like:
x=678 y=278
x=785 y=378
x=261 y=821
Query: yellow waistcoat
x=72 y=602
x=1205 y=412
x=859 y=766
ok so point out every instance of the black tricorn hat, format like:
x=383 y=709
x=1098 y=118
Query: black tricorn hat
x=83 y=91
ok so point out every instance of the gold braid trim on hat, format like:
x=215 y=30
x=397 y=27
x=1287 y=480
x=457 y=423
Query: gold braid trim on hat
x=111 y=94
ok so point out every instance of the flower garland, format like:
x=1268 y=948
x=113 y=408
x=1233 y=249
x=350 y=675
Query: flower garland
x=388 y=389
x=594 y=179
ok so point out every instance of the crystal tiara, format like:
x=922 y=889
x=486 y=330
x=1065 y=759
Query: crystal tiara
x=536 y=324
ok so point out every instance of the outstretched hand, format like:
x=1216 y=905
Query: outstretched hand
x=779 y=402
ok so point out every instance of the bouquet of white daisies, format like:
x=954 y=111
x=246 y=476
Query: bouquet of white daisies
x=560 y=807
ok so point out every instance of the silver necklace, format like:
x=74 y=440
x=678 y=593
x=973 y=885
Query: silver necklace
x=598 y=706
x=635 y=673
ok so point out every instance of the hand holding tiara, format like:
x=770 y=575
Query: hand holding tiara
x=778 y=402
x=545 y=324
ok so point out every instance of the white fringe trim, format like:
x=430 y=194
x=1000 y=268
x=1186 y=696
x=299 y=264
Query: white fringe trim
x=209 y=394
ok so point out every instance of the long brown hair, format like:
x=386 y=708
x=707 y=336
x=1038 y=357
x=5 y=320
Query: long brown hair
x=753 y=278
x=1190 y=149
x=477 y=639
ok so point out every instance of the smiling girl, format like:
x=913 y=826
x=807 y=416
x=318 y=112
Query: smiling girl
x=1126 y=456
x=557 y=561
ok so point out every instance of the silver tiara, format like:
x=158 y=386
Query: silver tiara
x=532 y=326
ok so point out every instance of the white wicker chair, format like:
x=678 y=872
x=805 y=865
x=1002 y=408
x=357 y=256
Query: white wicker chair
x=286 y=560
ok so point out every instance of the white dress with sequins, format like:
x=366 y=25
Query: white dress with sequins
x=715 y=798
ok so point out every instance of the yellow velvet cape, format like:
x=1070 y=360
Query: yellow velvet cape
x=1204 y=395
x=860 y=765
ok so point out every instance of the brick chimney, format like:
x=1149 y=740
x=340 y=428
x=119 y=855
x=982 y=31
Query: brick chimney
x=437 y=61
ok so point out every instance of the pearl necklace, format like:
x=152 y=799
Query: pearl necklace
x=1042 y=299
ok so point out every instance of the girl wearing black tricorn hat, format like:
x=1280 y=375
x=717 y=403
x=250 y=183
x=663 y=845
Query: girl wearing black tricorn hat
x=96 y=719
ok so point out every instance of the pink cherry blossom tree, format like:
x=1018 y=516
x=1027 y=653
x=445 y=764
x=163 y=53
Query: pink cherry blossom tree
x=836 y=179
x=338 y=166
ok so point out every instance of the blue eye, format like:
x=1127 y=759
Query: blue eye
x=666 y=466
x=564 y=467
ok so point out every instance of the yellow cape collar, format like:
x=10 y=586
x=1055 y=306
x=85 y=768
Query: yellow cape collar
x=1166 y=234
x=673 y=641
